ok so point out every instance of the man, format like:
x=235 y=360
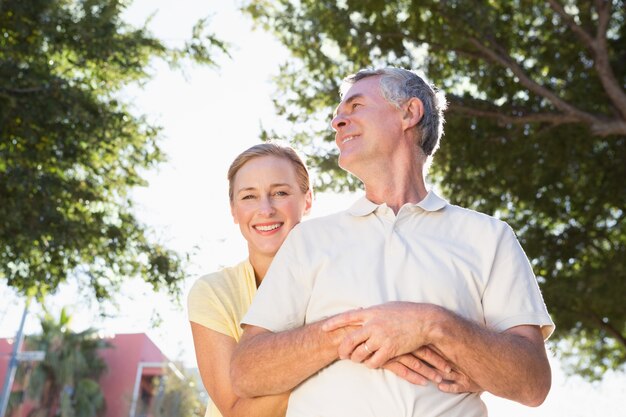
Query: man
x=438 y=276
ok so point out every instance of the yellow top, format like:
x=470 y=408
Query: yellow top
x=218 y=301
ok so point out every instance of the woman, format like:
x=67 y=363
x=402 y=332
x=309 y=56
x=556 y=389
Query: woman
x=269 y=194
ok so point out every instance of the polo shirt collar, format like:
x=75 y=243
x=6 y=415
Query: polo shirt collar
x=432 y=202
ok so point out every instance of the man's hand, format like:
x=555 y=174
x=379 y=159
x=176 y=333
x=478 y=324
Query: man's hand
x=389 y=329
x=390 y=324
x=420 y=366
x=424 y=365
x=456 y=382
x=387 y=332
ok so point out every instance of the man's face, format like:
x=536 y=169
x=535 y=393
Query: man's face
x=367 y=127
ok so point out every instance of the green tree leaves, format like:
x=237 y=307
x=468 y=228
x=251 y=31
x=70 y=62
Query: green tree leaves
x=70 y=149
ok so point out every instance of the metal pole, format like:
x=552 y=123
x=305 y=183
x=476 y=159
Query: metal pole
x=140 y=366
x=8 y=379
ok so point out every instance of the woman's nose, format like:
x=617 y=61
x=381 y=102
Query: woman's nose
x=266 y=206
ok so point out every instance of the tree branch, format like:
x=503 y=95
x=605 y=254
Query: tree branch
x=609 y=81
x=432 y=44
x=28 y=90
x=599 y=125
x=600 y=128
x=599 y=50
x=571 y=23
x=610 y=329
x=552 y=118
x=609 y=128
x=530 y=84
x=604 y=17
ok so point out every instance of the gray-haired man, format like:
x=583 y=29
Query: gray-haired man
x=400 y=270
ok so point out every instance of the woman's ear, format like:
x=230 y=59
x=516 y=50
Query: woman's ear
x=308 y=202
x=413 y=112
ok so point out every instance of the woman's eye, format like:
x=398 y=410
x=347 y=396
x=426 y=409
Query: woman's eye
x=355 y=104
x=281 y=193
x=247 y=197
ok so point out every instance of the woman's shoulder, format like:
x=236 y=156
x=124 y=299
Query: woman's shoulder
x=223 y=279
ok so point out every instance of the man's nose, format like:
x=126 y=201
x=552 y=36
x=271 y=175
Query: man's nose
x=338 y=122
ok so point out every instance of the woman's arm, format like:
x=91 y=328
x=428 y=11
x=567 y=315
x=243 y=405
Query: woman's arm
x=213 y=354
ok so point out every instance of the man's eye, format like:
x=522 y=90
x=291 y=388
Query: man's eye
x=355 y=104
x=247 y=197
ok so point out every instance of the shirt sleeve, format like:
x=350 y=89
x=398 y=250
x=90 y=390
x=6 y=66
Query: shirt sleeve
x=512 y=296
x=282 y=298
x=204 y=307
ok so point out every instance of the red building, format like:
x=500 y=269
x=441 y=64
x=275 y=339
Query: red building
x=132 y=361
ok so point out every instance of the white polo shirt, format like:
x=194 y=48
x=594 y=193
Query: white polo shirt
x=431 y=252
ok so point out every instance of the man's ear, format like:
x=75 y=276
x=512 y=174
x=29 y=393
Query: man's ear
x=413 y=112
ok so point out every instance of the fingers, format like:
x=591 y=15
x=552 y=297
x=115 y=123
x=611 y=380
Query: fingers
x=415 y=365
x=456 y=382
x=379 y=351
x=361 y=353
x=405 y=373
x=434 y=359
x=349 y=318
x=351 y=342
x=452 y=387
x=380 y=357
x=358 y=346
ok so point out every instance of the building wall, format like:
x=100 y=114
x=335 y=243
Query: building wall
x=123 y=361
x=6 y=348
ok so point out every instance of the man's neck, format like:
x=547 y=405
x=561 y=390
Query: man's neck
x=397 y=189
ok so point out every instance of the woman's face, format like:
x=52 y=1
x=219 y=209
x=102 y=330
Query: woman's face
x=267 y=203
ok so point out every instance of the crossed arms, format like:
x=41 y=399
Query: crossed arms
x=214 y=351
x=512 y=364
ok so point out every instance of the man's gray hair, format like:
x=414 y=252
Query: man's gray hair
x=398 y=85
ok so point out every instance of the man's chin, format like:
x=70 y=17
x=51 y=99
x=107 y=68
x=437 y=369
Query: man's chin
x=344 y=162
x=347 y=164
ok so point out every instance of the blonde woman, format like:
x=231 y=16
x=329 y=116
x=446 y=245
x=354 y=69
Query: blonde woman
x=269 y=194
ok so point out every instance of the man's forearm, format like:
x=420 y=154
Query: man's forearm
x=266 y=363
x=511 y=365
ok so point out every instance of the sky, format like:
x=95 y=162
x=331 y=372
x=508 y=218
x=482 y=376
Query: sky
x=209 y=116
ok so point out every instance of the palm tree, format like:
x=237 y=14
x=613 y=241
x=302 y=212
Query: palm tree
x=65 y=382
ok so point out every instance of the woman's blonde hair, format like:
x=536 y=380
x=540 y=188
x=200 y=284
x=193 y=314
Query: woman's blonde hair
x=270 y=149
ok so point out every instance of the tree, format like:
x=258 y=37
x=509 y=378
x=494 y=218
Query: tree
x=70 y=148
x=66 y=380
x=178 y=395
x=535 y=132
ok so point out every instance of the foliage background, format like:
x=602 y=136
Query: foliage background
x=70 y=148
x=204 y=126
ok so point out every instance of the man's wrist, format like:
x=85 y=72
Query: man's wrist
x=328 y=341
x=438 y=325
